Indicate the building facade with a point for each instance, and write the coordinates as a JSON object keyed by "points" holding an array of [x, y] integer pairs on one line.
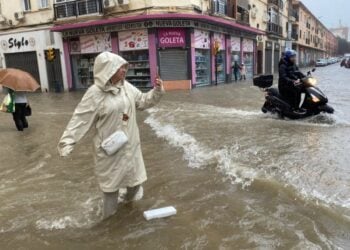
{"points": [[174, 39], [25, 36], [311, 38], [272, 17]]}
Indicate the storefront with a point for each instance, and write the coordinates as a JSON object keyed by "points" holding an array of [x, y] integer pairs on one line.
{"points": [[173, 55], [26, 51], [83, 52], [178, 47], [235, 53], [248, 56], [202, 57], [133, 46]]}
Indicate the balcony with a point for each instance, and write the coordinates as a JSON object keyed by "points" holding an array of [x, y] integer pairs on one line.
{"points": [[295, 36], [277, 3], [274, 29], [219, 7], [77, 8], [242, 16], [293, 16]]}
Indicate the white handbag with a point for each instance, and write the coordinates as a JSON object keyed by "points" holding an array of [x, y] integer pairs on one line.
{"points": [[114, 142]]}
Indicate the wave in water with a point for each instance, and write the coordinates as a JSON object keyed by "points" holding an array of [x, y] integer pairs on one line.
{"points": [[228, 160]]}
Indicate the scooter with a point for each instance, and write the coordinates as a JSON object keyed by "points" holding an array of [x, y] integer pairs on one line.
{"points": [[314, 101]]}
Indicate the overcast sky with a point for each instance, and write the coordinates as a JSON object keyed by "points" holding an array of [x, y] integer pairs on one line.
{"points": [[330, 11]]}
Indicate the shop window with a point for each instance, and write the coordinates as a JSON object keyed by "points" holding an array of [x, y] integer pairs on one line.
{"points": [[139, 68], [202, 67]]}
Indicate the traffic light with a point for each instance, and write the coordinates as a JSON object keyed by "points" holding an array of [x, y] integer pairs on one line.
{"points": [[50, 54]]}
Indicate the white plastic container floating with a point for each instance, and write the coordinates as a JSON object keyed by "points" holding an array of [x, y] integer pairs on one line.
{"points": [[159, 213]]}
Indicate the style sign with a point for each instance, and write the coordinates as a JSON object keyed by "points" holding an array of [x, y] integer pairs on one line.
{"points": [[172, 38], [95, 43], [18, 44], [235, 43], [248, 45], [201, 39], [133, 40]]}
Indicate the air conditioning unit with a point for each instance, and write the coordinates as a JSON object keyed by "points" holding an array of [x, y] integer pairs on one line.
{"points": [[107, 4], [19, 15], [123, 2], [2, 19]]}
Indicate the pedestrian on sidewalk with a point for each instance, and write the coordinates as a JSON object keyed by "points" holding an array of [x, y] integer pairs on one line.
{"points": [[243, 72], [235, 70], [21, 108], [109, 106]]}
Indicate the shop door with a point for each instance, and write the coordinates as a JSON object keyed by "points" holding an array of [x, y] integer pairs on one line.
{"points": [[173, 64], [26, 61], [260, 62], [54, 73], [276, 60], [268, 61]]}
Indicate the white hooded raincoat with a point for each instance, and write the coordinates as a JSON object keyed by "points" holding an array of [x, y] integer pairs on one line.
{"points": [[102, 107]]}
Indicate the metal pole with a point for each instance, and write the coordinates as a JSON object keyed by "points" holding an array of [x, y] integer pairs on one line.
{"points": [[56, 84]]}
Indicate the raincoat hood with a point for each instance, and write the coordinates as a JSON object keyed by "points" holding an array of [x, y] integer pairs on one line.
{"points": [[105, 66]]}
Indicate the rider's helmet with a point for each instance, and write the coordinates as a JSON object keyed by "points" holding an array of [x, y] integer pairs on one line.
{"points": [[289, 54]]}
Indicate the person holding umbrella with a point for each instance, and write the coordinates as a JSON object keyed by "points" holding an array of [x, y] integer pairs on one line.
{"points": [[15, 83], [21, 106]]}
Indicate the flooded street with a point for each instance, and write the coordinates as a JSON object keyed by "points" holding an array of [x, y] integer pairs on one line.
{"points": [[240, 179]]}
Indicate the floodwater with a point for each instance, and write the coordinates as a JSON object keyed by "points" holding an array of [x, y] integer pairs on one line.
{"points": [[239, 179]]}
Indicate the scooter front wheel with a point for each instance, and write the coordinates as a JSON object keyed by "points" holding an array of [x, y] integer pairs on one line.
{"points": [[327, 109]]}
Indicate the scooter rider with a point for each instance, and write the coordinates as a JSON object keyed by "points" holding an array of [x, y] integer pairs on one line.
{"points": [[289, 80]]}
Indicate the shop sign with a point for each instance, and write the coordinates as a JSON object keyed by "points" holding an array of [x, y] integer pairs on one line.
{"points": [[172, 38], [153, 24], [235, 43], [16, 44], [248, 45], [201, 39], [220, 39], [95, 43], [133, 40]]}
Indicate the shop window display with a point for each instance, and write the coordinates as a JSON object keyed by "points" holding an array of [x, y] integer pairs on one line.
{"points": [[139, 68]]}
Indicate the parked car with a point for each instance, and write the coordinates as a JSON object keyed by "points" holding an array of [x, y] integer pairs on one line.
{"points": [[321, 62]]}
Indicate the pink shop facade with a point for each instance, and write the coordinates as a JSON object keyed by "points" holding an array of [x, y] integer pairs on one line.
{"points": [[178, 47]]}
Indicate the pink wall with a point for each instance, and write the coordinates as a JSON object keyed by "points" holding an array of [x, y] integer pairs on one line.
{"points": [[152, 54], [68, 63], [193, 58], [242, 53], [114, 41]]}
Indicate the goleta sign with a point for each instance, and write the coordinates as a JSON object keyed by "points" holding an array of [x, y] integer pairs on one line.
{"points": [[172, 38]]}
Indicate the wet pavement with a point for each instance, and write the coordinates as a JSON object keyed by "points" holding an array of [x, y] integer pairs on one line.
{"points": [[239, 179]]}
